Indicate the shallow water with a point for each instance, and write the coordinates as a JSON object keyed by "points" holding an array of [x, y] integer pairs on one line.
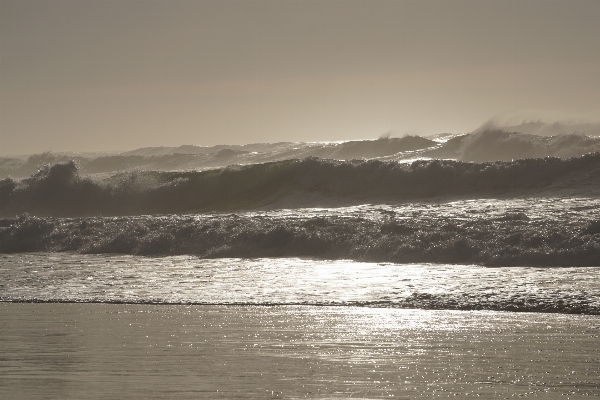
{"points": [[80, 351], [64, 277]]}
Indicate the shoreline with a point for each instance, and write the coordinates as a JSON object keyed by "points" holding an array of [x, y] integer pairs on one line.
{"points": [[372, 305]]}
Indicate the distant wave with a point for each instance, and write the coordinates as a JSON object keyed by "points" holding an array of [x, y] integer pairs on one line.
{"points": [[58, 190], [344, 150], [488, 145], [199, 157]]}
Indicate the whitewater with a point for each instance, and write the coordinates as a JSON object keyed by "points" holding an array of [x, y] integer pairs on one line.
{"points": [[359, 264]]}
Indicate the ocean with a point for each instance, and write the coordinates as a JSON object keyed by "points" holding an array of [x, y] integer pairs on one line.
{"points": [[401, 268]]}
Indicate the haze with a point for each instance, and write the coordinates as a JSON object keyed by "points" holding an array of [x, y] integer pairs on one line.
{"points": [[118, 75]]}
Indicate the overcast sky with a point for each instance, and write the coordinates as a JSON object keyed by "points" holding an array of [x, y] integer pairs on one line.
{"points": [[117, 75]]}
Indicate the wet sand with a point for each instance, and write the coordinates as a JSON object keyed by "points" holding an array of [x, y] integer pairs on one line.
{"points": [[80, 351]]}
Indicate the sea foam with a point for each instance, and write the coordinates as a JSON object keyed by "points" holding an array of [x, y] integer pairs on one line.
{"points": [[540, 232]]}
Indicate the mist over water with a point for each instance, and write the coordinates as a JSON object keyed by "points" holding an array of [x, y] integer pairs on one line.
{"points": [[543, 123]]}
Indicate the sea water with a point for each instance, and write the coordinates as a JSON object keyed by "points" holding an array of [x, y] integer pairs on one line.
{"points": [[79, 351], [64, 277], [106, 326], [303, 279]]}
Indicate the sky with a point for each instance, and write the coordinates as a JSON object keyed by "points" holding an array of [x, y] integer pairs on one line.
{"points": [[118, 75]]}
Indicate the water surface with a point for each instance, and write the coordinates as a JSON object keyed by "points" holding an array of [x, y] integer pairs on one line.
{"points": [[80, 351], [64, 277]]}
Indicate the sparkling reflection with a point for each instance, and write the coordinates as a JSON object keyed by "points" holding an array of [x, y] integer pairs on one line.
{"points": [[186, 279], [151, 351]]}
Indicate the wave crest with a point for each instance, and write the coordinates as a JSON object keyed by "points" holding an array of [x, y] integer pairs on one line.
{"points": [[58, 190]]}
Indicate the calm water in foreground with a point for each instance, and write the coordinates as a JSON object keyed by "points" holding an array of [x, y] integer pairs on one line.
{"points": [[80, 351]]}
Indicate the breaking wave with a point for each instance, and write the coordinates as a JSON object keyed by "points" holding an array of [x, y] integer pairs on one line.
{"points": [[570, 237], [58, 190]]}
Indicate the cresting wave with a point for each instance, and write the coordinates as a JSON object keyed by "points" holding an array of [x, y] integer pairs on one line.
{"points": [[58, 190]]}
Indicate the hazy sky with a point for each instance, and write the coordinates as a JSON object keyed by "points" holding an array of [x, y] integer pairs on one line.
{"points": [[116, 75]]}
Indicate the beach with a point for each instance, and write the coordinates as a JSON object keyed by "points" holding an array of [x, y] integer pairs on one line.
{"points": [[82, 351]]}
